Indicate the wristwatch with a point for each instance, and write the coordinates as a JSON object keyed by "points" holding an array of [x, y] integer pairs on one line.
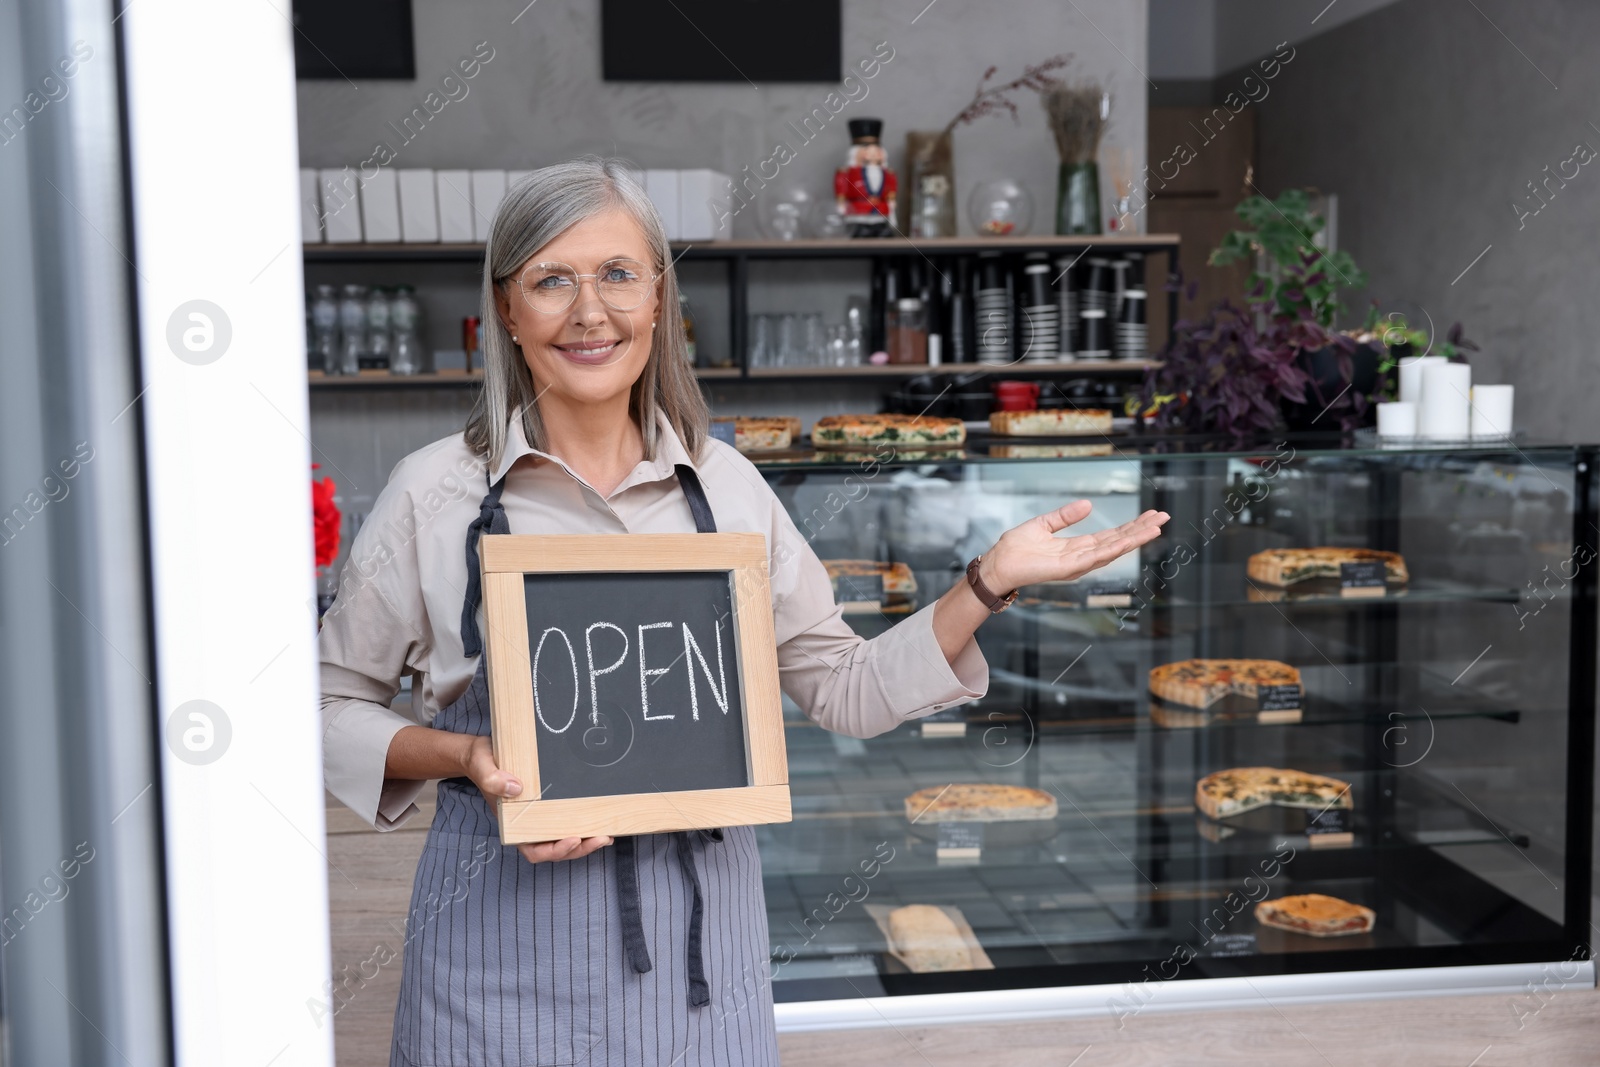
{"points": [[990, 600]]}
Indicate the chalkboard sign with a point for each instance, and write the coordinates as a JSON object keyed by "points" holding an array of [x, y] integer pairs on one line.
{"points": [[1363, 578], [633, 683]]}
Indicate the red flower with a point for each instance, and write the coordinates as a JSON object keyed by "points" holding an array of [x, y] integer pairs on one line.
{"points": [[325, 519]]}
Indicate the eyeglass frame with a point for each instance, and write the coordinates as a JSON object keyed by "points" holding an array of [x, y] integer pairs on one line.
{"points": [[649, 283]]}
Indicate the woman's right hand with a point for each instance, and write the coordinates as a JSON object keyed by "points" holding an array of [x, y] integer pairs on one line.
{"points": [[493, 782]]}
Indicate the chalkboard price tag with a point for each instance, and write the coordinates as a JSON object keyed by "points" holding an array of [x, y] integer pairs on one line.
{"points": [[1362, 578], [960, 841], [860, 589], [724, 430], [1279, 697], [633, 683], [1232, 945], [1330, 828]]}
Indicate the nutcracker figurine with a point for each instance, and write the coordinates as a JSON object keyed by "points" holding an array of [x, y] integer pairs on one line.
{"points": [[865, 187]]}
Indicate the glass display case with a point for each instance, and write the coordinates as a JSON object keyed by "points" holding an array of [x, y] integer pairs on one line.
{"points": [[1436, 705]]}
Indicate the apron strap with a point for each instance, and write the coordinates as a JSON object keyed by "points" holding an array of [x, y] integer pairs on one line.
{"points": [[699, 506], [633, 942], [491, 517]]}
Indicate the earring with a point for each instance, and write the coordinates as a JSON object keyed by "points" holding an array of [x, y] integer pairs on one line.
{"points": [[513, 338]]}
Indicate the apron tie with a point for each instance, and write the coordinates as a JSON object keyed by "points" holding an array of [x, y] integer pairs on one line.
{"points": [[491, 517]]}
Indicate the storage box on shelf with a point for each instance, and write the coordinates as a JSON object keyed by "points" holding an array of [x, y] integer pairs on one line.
{"points": [[1455, 707]]}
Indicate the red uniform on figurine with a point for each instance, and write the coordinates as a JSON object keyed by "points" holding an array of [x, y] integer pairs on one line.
{"points": [[865, 188]]}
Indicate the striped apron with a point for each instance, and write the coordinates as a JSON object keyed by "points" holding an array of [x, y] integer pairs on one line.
{"points": [[652, 951]]}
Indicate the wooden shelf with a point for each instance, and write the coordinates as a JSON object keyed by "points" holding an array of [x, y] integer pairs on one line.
{"points": [[385, 380], [804, 249]]}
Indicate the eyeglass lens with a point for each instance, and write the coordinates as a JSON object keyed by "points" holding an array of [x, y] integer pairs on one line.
{"points": [[623, 284]]}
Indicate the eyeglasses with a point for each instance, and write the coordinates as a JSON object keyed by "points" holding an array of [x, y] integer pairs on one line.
{"points": [[551, 288]]}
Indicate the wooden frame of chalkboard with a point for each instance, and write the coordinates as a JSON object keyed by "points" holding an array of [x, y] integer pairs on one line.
{"points": [[577, 589]]}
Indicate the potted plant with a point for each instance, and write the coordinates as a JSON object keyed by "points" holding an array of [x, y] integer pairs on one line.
{"points": [[1294, 290]]}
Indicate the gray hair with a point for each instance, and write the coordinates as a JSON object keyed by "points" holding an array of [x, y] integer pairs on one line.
{"points": [[538, 209]]}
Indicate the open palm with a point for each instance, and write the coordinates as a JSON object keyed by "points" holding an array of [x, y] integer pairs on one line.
{"points": [[1032, 552]]}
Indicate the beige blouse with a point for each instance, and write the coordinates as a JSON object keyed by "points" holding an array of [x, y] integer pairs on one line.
{"points": [[401, 591]]}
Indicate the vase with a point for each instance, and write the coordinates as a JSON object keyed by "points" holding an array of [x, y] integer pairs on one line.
{"points": [[1078, 198], [929, 208], [1327, 383]]}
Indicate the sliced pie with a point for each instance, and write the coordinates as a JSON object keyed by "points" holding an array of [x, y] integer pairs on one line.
{"points": [[979, 803], [1241, 789], [1052, 422], [1286, 566], [1316, 914], [753, 434], [897, 577], [915, 431], [1199, 683]]}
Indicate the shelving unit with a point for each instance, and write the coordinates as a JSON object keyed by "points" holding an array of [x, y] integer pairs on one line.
{"points": [[738, 256]]}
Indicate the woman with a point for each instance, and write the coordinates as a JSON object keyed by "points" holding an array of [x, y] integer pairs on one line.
{"points": [[647, 950]]}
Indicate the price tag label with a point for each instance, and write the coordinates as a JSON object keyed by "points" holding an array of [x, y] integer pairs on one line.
{"points": [[951, 722], [1232, 945], [1330, 828], [723, 431], [1108, 595], [960, 841], [1279, 698], [1363, 578], [860, 589]]}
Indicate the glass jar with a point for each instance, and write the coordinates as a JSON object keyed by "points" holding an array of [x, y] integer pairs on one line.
{"points": [[352, 328], [908, 332]]}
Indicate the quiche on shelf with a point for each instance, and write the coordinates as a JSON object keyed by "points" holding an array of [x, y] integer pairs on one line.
{"points": [[1316, 914], [757, 434], [979, 803], [1286, 566], [1241, 789], [1052, 422], [1199, 683], [915, 431]]}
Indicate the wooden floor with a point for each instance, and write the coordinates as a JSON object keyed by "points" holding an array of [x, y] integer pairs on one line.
{"points": [[370, 883]]}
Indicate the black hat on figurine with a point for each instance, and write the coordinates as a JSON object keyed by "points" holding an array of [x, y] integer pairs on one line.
{"points": [[863, 129]]}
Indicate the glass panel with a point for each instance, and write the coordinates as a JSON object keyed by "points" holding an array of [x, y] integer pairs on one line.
{"points": [[1437, 705]]}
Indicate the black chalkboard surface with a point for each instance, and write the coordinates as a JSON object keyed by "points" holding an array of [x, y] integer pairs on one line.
{"points": [[633, 683], [636, 683]]}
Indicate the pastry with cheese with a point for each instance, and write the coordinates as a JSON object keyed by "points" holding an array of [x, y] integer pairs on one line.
{"points": [[979, 803], [1241, 789], [1316, 915], [1053, 422], [1286, 566], [913, 431]]}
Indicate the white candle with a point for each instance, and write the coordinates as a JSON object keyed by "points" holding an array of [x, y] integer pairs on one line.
{"points": [[1397, 419], [1411, 376], [1491, 410], [1444, 411]]}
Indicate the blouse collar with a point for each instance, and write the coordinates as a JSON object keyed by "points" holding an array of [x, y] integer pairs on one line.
{"points": [[669, 452]]}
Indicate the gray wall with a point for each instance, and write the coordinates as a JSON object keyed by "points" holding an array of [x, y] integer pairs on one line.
{"points": [[540, 99], [1429, 122]]}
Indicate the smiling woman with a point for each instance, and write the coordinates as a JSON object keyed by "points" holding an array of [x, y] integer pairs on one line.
{"points": [[638, 949]]}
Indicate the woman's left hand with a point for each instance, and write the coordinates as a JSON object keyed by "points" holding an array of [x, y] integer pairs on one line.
{"points": [[1032, 553]]}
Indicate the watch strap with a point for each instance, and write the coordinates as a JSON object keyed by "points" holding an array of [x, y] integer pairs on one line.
{"points": [[991, 600]]}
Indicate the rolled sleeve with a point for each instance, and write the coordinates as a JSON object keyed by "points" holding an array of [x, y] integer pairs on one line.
{"points": [[843, 681], [355, 744]]}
